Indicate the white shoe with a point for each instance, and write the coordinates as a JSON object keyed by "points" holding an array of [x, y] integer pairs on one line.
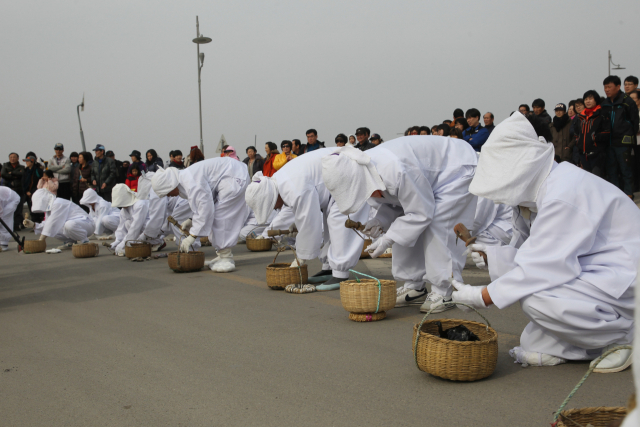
{"points": [[407, 296], [526, 358], [104, 237], [615, 362], [436, 302]]}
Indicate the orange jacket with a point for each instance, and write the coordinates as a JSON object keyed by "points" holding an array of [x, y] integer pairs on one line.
{"points": [[268, 169]]}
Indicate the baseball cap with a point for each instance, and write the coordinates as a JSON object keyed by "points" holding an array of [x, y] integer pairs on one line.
{"points": [[99, 147], [135, 153], [30, 158], [560, 106], [375, 136], [58, 146]]}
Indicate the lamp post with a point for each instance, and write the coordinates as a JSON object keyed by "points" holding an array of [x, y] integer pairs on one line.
{"points": [[200, 39], [615, 66], [79, 108]]}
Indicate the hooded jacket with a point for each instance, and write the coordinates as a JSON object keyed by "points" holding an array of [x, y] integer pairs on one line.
{"points": [[561, 137]]}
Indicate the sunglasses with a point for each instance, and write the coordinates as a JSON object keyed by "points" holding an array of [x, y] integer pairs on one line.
{"points": [[228, 151]]}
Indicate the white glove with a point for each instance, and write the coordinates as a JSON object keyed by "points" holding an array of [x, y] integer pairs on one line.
{"points": [[378, 247], [42, 237], [295, 262], [467, 294], [476, 257], [120, 253], [293, 231], [186, 226], [373, 228], [186, 243], [28, 223]]}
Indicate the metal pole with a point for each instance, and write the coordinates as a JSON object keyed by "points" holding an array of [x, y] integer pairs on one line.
{"points": [[199, 85], [609, 63], [81, 133]]}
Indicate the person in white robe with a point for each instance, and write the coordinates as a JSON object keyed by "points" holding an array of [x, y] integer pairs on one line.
{"points": [[215, 190], [154, 228], [420, 185], [492, 223], [134, 214], [105, 217], [573, 260], [283, 220], [64, 220], [9, 201], [251, 226], [298, 186], [179, 209]]}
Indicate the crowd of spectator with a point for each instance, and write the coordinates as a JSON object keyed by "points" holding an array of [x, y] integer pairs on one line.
{"points": [[597, 133]]}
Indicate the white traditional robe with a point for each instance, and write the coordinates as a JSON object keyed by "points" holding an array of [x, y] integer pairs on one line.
{"points": [[492, 223], [9, 201], [574, 270], [132, 223], [67, 222], [251, 224], [179, 209], [316, 215], [427, 180], [153, 229], [215, 189]]}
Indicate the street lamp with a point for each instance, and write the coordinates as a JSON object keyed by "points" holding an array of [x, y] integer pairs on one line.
{"points": [[615, 66], [79, 108], [200, 39]]}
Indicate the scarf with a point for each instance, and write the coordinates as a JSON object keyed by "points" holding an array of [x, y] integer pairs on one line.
{"points": [[588, 112], [560, 122]]}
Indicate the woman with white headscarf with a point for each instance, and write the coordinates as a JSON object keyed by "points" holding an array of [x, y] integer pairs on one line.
{"points": [[134, 215], [573, 269], [105, 217], [420, 185], [215, 191], [9, 201], [299, 186], [64, 220]]}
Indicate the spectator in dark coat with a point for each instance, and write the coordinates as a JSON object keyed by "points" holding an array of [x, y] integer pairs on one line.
{"points": [[538, 109], [561, 134], [475, 134], [12, 177], [153, 161], [312, 141], [81, 179], [254, 161], [298, 148], [592, 132], [176, 160], [135, 160], [362, 136], [33, 171], [104, 173]]}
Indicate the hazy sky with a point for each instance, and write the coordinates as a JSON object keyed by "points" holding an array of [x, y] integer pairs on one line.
{"points": [[277, 68]]}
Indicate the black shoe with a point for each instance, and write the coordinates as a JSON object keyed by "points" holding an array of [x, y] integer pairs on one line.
{"points": [[323, 273]]}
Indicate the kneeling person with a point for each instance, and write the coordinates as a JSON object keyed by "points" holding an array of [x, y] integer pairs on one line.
{"points": [[105, 217]]}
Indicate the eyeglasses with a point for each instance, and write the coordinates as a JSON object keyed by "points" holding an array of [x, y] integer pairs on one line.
{"points": [[228, 151], [286, 146]]}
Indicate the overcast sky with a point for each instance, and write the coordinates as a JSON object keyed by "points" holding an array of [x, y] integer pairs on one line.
{"points": [[277, 68]]}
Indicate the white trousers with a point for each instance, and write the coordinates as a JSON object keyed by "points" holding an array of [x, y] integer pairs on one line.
{"points": [[436, 255], [76, 230], [110, 223], [342, 246], [576, 321], [8, 208], [230, 213]]}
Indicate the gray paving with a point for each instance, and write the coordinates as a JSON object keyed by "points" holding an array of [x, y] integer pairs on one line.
{"points": [[108, 342]]}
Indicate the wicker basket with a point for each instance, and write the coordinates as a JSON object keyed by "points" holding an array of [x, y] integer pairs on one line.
{"points": [[599, 416], [186, 262], [85, 250], [364, 254], [455, 360], [34, 246], [281, 275], [360, 298], [137, 249], [259, 245]]}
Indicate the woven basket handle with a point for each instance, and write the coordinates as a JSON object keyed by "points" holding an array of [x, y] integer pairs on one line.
{"points": [[281, 248], [584, 378], [415, 344]]}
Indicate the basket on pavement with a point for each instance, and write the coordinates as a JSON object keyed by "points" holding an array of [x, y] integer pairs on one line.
{"points": [[185, 262], [281, 275], [367, 300], [137, 249], [597, 416], [34, 246], [259, 245], [85, 250], [455, 360], [364, 254]]}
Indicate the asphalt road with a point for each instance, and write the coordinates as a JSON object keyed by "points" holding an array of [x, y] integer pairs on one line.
{"points": [[108, 342]]}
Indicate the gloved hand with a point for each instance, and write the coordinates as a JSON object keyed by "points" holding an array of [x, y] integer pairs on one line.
{"points": [[293, 231], [120, 253], [467, 294], [295, 262], [476, 257], [378, 247], [186, 226], [373, 228], [186, 243], [28, 223], [42, 237]]}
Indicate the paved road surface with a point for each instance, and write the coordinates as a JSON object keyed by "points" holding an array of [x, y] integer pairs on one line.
{"points": [[108, 342]]}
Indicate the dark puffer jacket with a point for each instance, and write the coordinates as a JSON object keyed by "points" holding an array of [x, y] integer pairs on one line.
{"points": [[12, 176], [104, 173], [622, 112]]}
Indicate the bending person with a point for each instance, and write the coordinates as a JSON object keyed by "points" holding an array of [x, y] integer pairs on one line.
{"points": [[299, 186], [573, 270], [492, 223], [421, 184], [64, 220], [105, 217], [134, 214], [9, 201], [215, 191]]}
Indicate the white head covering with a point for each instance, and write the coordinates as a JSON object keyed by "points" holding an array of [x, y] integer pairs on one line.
{"points": [[144, 185], [89, 197], [42, 200], [122, 196], [261, 196], [513, 164], [165, 181], [350, 177]]}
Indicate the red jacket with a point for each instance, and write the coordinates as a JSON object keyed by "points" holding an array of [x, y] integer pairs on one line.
{"points": [[132, 182], [268, 169]]}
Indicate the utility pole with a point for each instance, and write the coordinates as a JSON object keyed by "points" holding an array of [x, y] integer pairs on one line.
{"points": [[200, 39]]}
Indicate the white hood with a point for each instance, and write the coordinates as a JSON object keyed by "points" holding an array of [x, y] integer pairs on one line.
{"points": [[165, 181], [42, 200], [122, 196], [261, 196], [90, 197]]}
